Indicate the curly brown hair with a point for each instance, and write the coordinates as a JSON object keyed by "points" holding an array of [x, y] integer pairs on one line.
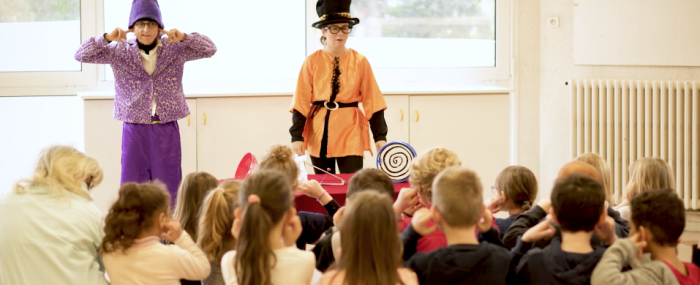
{"points": [[136, 209]]}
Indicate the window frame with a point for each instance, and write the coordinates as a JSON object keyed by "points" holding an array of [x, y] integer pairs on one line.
{"points": [[56, 82], [499, 75]]}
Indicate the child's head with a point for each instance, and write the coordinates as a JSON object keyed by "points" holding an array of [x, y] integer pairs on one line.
{"points": [[139, 208], [457, 198], [426, 166], [265, 204], [601, 165], [63, 167], [659, 215], [370, 246], [370, 179], [578, 203], [281, 158], [649, 174], [517, 187], [194, 188], [216, 220]]}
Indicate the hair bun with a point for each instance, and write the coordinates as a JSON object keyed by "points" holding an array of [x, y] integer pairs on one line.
{"points": [[281, 153]]}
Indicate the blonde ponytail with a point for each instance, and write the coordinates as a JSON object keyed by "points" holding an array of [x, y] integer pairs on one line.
{"points": [[216, 220]]}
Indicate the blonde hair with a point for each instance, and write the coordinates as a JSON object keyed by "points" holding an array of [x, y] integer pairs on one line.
{"points": [[601, 165], [649, 174], [63, 169], [216, 220], [457, 196], [281, 158], [194, 188], [427, 165], [519, 185]]}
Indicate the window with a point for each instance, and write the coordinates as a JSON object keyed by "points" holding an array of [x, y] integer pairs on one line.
{"points": [[429, 41], [38, 24], [254, 39]]}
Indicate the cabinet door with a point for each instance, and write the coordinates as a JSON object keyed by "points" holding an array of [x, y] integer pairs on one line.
{"points": [[103, 141], [396, 116], [235, 126], [476, 127]]}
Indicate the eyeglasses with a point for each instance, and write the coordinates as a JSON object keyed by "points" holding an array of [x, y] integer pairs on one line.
{"points": [[495, 190], [334, 30], [150, 24]]}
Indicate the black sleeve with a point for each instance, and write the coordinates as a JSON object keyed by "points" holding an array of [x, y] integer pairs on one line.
{"points": [[419, 264], [696, 255], [331, 208], [492, 237], [622, 227], [297, 129], [378, 126], [324, 253], [409, 238], [521, 224], [312, 227]]}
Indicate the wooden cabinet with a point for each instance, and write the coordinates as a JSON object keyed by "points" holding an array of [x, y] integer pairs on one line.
{"points": [[235, 126], [476, 127], [222, 129]]}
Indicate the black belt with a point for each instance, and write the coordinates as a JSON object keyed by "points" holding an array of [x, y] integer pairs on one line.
{"points": [[335, 104]]}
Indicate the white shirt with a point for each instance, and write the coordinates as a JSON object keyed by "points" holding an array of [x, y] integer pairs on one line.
{"points": [[48, 239], [149, 64], [293, 267], [625, 212], [149, 262]]}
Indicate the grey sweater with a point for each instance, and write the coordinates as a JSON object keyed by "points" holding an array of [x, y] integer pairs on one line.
{"points": [[621, 254]]}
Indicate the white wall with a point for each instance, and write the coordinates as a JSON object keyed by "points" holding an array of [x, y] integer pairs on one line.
{"points": [[556, 67], [30, 124]]}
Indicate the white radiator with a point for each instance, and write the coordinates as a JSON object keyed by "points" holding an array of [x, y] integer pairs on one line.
{"points": [[623, 120]]}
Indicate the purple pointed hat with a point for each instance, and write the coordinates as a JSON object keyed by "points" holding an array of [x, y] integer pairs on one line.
{"points": [[145, 9]]}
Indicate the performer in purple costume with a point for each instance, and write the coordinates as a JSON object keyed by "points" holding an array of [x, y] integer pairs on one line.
{"points": [[149, 98]]}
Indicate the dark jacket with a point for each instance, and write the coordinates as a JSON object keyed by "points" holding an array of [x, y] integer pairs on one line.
{"points": [[551, 265], [532, 217], [314, 224]]}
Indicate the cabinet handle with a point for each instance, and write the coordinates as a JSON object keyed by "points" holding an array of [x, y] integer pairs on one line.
{"points": [[188, 120], [401, 115], [205, 119], [417, 116]]}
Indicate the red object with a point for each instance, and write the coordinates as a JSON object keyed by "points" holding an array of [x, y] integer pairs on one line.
{"points": [[245, 167], [693, 276], [306, 203]]}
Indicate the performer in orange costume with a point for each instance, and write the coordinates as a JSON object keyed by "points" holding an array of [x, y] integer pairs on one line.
{"points": [[326, 118]]}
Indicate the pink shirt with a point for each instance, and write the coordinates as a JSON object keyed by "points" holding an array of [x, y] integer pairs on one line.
{"points": [[150, 262], [693, 276]]}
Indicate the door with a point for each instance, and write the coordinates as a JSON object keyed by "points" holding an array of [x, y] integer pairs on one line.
{"points": [[476, 127]]}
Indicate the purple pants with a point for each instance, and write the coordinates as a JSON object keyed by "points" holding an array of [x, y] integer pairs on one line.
{"points": [[151, 152]]}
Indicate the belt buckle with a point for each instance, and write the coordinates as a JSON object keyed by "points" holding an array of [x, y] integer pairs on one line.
{"points": [[325, 104]]}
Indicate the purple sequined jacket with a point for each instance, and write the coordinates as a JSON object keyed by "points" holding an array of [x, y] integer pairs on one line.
{"points": [[134, 86]]}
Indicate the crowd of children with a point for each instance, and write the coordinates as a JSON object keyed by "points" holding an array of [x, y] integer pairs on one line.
{"points": [[438, 231]]}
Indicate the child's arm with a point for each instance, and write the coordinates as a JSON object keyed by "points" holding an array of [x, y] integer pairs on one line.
{"points": [[188, 259], [409, 238], [522, 223], [619, 255], [195, 46], [99, 50], [622, 227]]}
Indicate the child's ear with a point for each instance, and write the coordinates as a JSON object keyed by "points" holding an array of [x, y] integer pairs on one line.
{"points": [[603, 216], [645, 234], [291, 213], [437, 217], [554, 217], [162, 219], [238, 213]]}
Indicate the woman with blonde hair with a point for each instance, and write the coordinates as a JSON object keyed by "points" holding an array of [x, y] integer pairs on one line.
{"points": [[51, 230], [601, 165], [215, 223], [647, 173]]}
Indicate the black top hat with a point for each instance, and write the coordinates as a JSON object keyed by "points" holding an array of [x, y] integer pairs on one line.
{"points": [[334, 11]]}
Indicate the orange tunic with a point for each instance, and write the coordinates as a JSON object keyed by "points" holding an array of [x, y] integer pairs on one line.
{"points": [[348, 128]]}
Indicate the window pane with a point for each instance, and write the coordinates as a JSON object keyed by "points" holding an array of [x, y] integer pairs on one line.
{"points": [[254, 41], [425, 33], [39, 35]]}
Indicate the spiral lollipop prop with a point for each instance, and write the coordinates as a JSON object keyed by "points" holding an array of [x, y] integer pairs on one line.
{"points": [[395, 159]]}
